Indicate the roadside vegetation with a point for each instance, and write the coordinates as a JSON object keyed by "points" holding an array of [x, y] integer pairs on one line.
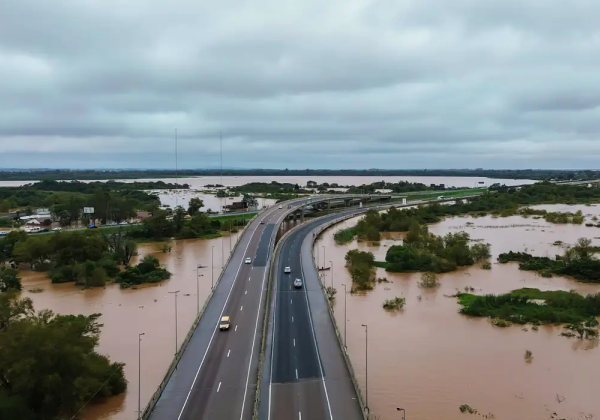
{"points": [[537, 307], [344, 236], [576, 218], [49, 364], [577, 261], [360, 265]]}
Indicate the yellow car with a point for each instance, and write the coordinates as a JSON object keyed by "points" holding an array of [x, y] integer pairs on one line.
{"points": [[224, 324]]}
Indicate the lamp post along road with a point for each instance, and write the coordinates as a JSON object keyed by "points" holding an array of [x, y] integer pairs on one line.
{"points": [[323, 256], [345, 318], [175, 293], [403, 412], [331, 265], [212, 269], [140, 375], [198, 275], [366, 367]]}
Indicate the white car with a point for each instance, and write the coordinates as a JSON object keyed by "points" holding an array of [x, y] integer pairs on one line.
{"points": [[280, 207], [287, 270], [248, 260], [297, 283], [3, 232], [57, 229]]}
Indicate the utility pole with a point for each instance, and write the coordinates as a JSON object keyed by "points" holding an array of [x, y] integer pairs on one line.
{"points": [[140, 375], [175, 293]]}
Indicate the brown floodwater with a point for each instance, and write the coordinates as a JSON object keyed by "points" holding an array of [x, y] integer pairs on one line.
{"points": [[231, 181], [149, 310], [429, 359]]}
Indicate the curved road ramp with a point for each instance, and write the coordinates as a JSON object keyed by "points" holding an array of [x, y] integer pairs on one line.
{"points": [[305, 374]]}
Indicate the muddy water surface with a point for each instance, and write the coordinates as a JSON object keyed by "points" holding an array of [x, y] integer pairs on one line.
{"points": [[149, 310], [429, 360]]}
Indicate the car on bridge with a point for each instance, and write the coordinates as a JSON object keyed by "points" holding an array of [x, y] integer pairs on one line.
{"points": [[248, 260], [297, 283], [225, 323], [287, 270]]}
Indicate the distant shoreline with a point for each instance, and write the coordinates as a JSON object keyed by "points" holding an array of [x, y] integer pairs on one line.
{"points": [[47, 174]]}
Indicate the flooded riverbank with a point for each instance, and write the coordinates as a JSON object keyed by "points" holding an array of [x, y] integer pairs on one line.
{"points": [[149, 309], [234, 181], [429, 360]]}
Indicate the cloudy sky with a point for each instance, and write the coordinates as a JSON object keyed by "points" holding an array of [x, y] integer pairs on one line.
{"points": [[300, 84]]}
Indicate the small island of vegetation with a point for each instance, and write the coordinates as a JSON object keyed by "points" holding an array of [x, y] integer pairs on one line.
{"points": [[49, 364], [577, 261], [537, 307], [420, 251]]}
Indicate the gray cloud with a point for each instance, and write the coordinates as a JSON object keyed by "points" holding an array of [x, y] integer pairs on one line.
{"points": [[340, 84]]}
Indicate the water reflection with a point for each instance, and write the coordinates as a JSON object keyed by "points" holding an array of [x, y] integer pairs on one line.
{"points": [[429, 359]]}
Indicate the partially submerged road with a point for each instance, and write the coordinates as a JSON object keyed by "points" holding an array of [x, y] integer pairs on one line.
{"points": [[216, 376], [305, 375]]}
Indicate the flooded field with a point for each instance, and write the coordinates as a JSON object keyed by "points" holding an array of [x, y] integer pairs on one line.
{"points": [[429, 360], [231, 181], [149, 310]]}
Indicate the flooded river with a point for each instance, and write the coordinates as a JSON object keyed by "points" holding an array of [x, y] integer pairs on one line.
{"points": [[149, 310], [429, 360]]}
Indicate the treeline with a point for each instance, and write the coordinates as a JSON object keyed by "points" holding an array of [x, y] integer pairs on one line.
{"points": [[87, 258], [62, 174], [112, 201], [537, 307], [576, 218], [500, 201], [49, 366], [577, 261]]}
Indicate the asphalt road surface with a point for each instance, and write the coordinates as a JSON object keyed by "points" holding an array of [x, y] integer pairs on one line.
{"points": [[306, 376], [216, 377]]}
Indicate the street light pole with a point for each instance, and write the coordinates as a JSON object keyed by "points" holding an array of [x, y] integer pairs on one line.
{"points": [[345, 318], [140, 375], [175, 293], [198, 275], [403, 412], [366, 366], [212, 270], [331, 264]]}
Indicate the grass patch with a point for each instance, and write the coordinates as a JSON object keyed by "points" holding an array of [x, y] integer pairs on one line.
{"points": [[344, 236], [532, 306]]}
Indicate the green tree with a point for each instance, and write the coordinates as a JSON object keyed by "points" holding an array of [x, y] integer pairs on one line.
{"points": [[179, 218], [5, 206], [9, 279], [48, 363], [195, 205]]}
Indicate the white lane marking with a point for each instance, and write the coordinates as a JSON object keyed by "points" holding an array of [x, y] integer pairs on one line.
{"points": [[296, 373], [246, 292], [254, 340], [292, 319], [315, 339], [241, 308], [235, 328], [294, 342], [219, 387], [299, 415], [249, 278], [228, 351], [215, 330], [291, 301]]}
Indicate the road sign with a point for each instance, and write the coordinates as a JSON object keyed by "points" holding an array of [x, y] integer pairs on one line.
{"points": [[88, 210]]}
